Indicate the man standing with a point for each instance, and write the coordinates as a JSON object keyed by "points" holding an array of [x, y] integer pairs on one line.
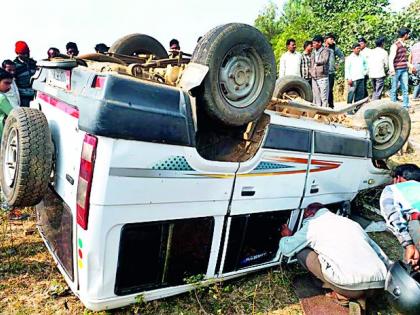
{"points": [[319, 71], [290, 60], [72, 50], [398, 67], [25, 69], [305, 63], [6, 80], [338, 252], [13, 94], [355, 71], [174, 48], [415, 61], [377, 64], [400, 207], [365, 52], [53, 52], [101, 48], [335, 52]]}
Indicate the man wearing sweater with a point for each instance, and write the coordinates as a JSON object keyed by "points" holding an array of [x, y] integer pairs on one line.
{"points": [[398, 67]]}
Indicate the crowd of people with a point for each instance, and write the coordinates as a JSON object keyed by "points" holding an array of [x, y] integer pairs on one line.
{"points": [[318, 62]]}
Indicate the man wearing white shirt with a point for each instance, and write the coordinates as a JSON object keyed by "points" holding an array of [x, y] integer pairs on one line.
{"points": [[355, 71], [377, 63], [290, 60], [13, 94], [365, 52]]}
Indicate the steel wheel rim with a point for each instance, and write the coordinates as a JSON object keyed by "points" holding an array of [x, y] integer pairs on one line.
{"points": [[11, 157], [241, 76], [383, 129]]}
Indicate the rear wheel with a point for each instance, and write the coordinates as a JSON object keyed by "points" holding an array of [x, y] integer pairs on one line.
{"points": [[293, 86], [137, 44], [26, 157], [241, 76], [389, 125]]}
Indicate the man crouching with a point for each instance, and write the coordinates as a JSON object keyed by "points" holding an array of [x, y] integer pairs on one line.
{"points": [[338, 252]]}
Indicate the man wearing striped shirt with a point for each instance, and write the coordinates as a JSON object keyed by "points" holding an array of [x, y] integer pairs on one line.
{"points": [[305, 64], [398, 67], [400, 207]]}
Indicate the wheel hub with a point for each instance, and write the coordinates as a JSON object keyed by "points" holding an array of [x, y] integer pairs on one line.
{"points": [[11, 157], [241, 78], [383, 130]]}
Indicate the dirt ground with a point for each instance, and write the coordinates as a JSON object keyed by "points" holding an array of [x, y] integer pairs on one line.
{"points": [[30, 283]]}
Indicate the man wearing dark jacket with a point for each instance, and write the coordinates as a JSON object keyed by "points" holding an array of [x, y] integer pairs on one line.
{"points": [[319, 71], [25, 69]]}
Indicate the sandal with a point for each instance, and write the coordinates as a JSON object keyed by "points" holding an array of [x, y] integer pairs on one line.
{"points": [[338, 298]]}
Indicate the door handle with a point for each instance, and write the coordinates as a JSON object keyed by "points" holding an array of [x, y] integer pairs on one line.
{"points": [[314, 189], [247, 191]]}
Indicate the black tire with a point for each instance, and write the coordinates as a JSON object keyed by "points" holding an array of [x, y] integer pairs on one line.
{"points": [[389, 126], [293, 86], [26, 145], [241, 76], [135, 44]]}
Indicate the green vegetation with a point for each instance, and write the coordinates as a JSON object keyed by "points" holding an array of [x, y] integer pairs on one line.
{"points": [[347, 19]]}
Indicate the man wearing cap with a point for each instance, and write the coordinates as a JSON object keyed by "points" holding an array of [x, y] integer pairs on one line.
{"points": [[25, 69], [335, 53], [355, 72], [398, 67], [319, 71], [400, 207]]}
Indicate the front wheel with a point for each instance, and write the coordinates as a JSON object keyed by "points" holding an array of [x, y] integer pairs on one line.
{"points": [[389, 125], [26, 157]]}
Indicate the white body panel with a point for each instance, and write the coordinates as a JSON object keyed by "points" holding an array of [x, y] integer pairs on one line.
{"points": [[135, 182]]}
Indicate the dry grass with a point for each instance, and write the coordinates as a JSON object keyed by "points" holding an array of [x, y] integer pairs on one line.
{"points": [[30, 283]]}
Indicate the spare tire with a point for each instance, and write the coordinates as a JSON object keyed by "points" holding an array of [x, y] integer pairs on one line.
{"points": [[389, 126], [293, 86], [241, 76], [26, 157], [136, 44]]}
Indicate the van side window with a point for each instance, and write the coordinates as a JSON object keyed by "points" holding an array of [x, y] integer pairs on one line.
{"points": [[287, 138], [160, 254], [329, 143]]}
